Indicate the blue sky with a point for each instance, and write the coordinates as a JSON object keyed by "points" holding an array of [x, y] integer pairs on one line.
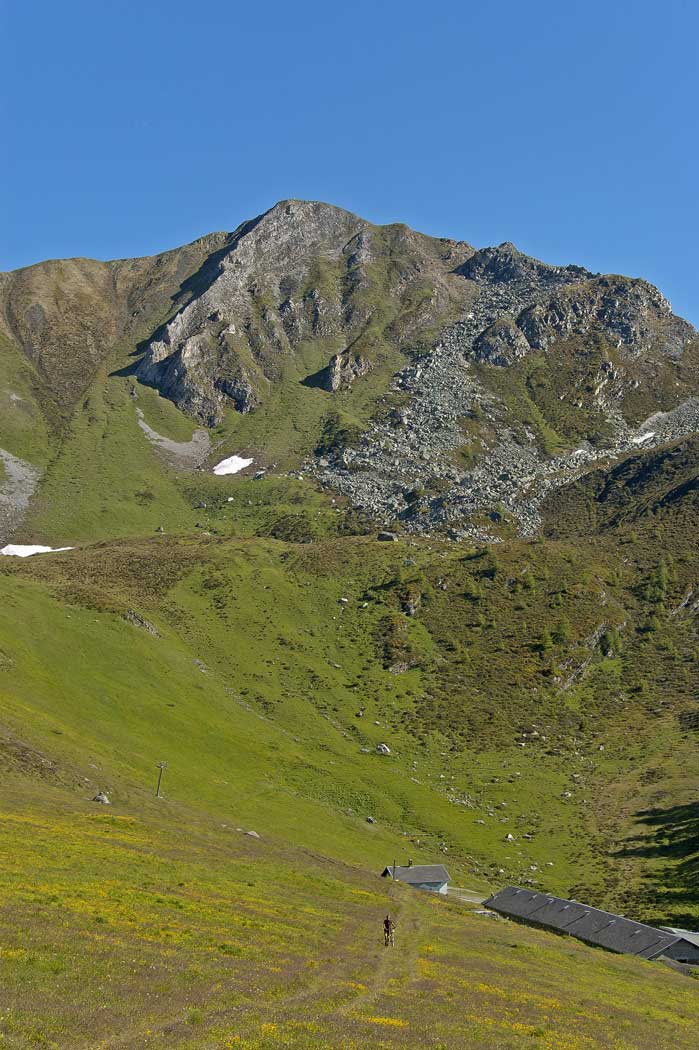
{"points": [[568, 128]]}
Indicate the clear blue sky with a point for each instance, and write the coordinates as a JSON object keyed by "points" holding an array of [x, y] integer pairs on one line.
{"points": [[567, 127]]}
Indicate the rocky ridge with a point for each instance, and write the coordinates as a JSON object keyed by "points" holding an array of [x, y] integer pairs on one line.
{"points": [[302, 273], [521, 306], [226, 345], [455, 388]]}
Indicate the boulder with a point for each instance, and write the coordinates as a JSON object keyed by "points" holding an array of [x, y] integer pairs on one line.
{"points": [[342, 371], [503, 343], [131, 616]]}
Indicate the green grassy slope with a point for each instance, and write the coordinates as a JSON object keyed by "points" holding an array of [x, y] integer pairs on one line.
{"points": [[161, 924], [536, 692], [539, 700], [158, 923], [106, 478], [23, 428], [152, 926]]}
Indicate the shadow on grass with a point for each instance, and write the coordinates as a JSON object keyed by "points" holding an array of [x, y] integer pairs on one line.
{"points": [[672, 834]]}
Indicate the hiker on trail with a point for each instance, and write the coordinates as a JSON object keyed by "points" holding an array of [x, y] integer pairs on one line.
{"points": [[388, 935]]}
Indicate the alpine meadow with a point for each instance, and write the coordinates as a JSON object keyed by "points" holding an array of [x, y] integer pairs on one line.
{"points": [[358, 548]]}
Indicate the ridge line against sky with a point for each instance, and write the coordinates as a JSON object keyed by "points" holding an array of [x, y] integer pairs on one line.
{"points": [[570, 131]]}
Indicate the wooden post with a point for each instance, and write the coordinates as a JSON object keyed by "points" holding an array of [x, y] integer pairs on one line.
{"points": [[161, 767]]}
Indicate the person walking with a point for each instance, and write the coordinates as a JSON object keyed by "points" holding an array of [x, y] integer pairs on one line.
{"points": [[388, 932]]}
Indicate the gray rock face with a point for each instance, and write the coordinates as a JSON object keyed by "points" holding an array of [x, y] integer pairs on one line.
{"points": [[227, 345], [518, 307], [131, 616], [502, 343], [17, 484], [457, 445], [342, 371], [631, 314], [303, 273], [505, 265]]}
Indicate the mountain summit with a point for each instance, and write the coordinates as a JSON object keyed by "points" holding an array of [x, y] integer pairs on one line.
{"points": [[426, 382]]}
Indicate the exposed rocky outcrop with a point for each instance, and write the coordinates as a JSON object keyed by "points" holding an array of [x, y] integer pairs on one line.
{"points": [[408, 466], [131, 616], [342, 371], [502, 343], [302, 273], [276, 285], [18, 480], [506, 265], [500, 377], [630, 314]]}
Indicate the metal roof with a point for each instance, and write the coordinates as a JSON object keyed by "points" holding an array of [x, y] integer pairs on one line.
{"points": [[686, 935], [418, 873], [592, 925]]}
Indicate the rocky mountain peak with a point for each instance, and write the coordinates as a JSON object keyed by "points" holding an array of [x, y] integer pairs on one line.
{"points": [[436, 383], [281, 239], [451, 439], [302, 272], [631, 314], [505, 264]]}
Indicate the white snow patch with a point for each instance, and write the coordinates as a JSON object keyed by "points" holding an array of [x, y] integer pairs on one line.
{"points": [[643, 437], [232, 465], [20, 550]]}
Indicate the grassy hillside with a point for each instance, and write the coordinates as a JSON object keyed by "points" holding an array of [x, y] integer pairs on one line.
{"points": [[155, 926], [534, 691], [541, 689], [539, 697], [159, 923], [264, 672]]}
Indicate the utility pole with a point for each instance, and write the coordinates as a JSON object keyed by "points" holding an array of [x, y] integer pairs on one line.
{"points": [[394, 869], [161, 767]]}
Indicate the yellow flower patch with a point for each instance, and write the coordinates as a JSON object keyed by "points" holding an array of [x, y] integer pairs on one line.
{"points": [[490, 989], [392, 1022], [13, 953]]}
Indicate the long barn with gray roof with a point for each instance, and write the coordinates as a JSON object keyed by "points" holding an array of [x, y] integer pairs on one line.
{"points": [[596, 927]]}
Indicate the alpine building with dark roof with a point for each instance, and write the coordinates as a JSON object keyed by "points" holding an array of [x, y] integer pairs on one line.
{"points": [[599, 928], [433, 877]]}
